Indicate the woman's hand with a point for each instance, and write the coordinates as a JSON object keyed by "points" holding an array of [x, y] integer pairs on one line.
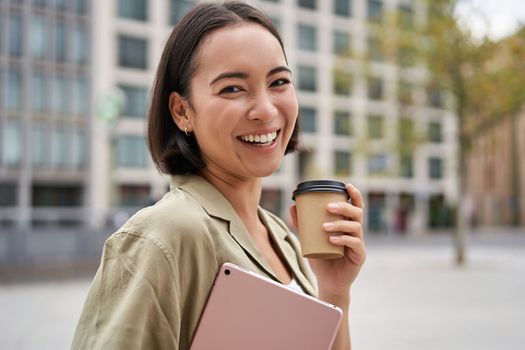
{"points": [[335, 276]]}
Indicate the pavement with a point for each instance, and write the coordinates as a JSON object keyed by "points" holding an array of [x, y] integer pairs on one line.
{"points": [[409, 296]]}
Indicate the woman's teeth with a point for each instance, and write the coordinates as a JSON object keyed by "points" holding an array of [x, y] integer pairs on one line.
{"points": [[260, 140]]}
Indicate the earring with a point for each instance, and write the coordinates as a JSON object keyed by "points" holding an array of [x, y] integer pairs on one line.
{"points": [[186, 131]]}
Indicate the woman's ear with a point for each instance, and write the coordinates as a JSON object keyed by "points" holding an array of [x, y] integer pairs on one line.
{"points": [[180, 112]]}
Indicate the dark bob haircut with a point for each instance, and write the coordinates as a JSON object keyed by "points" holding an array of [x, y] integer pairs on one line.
{"points": [[172, 151]]}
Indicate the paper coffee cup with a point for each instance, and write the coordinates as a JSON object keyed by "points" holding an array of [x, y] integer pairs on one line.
{"points": [[311, 198]]}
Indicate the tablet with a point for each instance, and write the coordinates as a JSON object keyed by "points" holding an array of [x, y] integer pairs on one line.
{"points": [[248, 311]]}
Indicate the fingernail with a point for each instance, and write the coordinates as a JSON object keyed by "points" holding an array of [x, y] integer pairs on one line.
{"points": [[328, 225], [334, 239], [333, 206]]}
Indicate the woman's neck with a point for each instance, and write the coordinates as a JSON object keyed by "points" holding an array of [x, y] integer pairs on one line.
{"points": [[243, 194]]}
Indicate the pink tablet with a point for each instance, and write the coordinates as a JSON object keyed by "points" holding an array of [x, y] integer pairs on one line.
{"points": [[247, 311]]}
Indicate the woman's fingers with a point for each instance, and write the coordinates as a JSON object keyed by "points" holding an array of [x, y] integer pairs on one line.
{"points": [[347, 227], [346, 210], [355, 196]]}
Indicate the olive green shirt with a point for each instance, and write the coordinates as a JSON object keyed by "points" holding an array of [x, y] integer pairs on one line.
{"points": [[157, 270]]}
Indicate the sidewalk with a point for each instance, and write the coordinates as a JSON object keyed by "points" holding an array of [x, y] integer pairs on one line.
{"points": [[409, 296]]}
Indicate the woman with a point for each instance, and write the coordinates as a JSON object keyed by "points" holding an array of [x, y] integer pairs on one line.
{"points": [[222, 116]]}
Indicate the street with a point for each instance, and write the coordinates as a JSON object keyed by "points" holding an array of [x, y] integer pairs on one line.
{"points": [[409, 296]]}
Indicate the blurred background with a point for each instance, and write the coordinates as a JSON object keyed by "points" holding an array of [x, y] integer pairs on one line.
{"points": [[419, 103]]}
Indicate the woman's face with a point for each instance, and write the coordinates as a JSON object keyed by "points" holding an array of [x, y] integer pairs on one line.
{"points": [[243, 104]]}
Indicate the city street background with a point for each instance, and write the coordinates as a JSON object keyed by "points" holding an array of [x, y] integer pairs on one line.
{"points": [[409, 296]]}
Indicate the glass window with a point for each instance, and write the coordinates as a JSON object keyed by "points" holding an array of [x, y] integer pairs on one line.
{"points": [[82, 6], [375, 49], [61, 4], [14, 91], [404, 92], [342, 43], [308, 119], [407, 55], [309, 4], [133, 9], [375, 88], [343, 7], [38, 36], [136, 99], [406, 132], [342, 160], [375, 127], [307, 78], [59, 147], [40, 2], [80, 96], [132, 52], [377, 164], [131, 151], [60, 41], [38, 145], [375, 10], [342, 123], [406, 166], [80, 44], [11, 145], [307, 37], [435, 95], [342, 83], [16, 35], [38, 92], [61, 91], [406, 16], [434, 132], [178, 9], [435, 166], [79, 149], [306, 164]]}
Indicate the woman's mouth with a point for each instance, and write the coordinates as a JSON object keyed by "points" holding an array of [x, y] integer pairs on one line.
{"points": [[260, 140]]}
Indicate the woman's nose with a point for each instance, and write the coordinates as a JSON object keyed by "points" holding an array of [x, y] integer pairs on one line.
{"points": [[263, 108]]}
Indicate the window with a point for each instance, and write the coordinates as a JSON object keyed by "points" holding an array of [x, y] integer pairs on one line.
{"points": [[375, 88], [404, 92], [375, 127], [38, 92], [8, 194], [134, 195], [307, 37], [11, 147], [38, 145], [61, 92], [342, 43], [342, 123], [406, 16], [308, 119], [406, 167], [307, 78], [342, 160], [61, 4], [16, 35], [136, 98], [343, 7], [38, 36], [178, 9], [59, 147], [79, 149], [375, 49], [342, 83], [435, 95], [377, 164], [434, 132], [81, 6], [14, 91], [407, 55], [435, 168], [375, 10], [60, 41], [406, 132], [80, 96], [309, 4], [131, 151], [133, 9], [306, 164], [132, 52], [80, 44]]}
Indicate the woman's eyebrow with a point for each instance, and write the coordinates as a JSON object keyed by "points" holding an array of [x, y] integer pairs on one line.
{"points": [[244, 75]]}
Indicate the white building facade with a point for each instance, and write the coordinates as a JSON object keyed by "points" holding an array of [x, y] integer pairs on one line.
{"points": [[354, 120]]}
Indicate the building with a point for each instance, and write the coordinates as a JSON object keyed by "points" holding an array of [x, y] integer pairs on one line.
{"points": [[356, 124]]}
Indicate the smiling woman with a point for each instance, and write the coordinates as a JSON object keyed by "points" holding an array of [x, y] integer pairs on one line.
{"points": [[223, 114]]}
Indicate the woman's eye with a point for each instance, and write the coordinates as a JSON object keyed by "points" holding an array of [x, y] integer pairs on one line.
{"points": [[230, 90], [280, 82]]}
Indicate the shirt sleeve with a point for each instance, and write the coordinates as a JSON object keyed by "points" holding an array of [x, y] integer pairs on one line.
{"points": [[137, 298]]}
